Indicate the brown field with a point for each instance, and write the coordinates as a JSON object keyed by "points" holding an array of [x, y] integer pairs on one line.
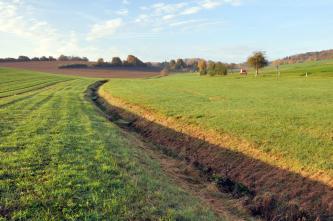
{"points": [[52, 67]]}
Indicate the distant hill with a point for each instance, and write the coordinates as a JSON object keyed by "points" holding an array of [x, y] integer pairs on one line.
{"points": [[309, 56]]}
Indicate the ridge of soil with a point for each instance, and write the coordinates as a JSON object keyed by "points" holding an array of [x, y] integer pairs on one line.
{"points": [[268, 191]]}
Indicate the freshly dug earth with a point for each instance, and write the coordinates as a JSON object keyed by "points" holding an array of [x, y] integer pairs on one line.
{"points": [[274, 193], [52, 67]]}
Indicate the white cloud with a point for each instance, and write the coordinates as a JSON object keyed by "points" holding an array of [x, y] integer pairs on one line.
{"points": [[142, 18], [39, 37], [163, 8], [233, 2], [182, 23], [14, 20], [191, 10], [126, 2], [162, 14], [210, 4], [168, 17], [105, 29], [122, 12]]}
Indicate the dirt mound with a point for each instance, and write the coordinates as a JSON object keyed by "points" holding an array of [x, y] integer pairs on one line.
{"points": [[52, 67], [272, 192]]}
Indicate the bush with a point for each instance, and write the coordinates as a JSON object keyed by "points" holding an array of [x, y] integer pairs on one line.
{"points": [[221, 69], [216, 68], [211, 68], [100, 61], [203, 72], [134, 61], [35, 59], [73, 66], [180, 64], [202, 66], [23, 58], [71, 58], [116, 61], [43, 58]]}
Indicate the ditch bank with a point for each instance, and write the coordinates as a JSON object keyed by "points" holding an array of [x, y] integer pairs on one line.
{"points": [[270, 192]]}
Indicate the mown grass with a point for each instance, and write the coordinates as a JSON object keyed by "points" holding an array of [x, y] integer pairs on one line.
{"points": [[290, 117], [60, 160]]}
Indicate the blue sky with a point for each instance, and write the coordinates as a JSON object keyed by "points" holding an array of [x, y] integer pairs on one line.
{"points": [[225, 30]]}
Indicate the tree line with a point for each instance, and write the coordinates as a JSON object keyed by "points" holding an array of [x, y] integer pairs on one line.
{"points": [[309, 56], [23, 58], [131, 61], [257, 60]]}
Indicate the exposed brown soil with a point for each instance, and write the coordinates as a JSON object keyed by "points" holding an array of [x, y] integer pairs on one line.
{"points": [[52, 67], [272, 192]]}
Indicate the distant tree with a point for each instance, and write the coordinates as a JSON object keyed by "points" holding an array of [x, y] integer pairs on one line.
{"points": [[35, 59], [257, 61], [116, 61], [134, 61], [194, 66], [52, 58], [23, 58], [43, 58], [211, 68], [63, 58], [202, 66], [180, 64], [100, 61], [85, 59], [149, 64], [220, 69], [172, 65]]}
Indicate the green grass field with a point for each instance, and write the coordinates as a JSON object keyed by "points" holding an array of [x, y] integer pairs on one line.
{"points": [[61, 160], [291, 117]]}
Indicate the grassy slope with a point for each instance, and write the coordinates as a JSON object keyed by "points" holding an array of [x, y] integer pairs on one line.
{"points": [[61, 160], [290, 117]]}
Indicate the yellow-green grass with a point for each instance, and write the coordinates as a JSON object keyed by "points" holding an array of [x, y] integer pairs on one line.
{"points": [[61, 160], [290, 117]]}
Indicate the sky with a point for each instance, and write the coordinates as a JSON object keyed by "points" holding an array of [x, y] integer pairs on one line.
{"points": [[220, 30]]}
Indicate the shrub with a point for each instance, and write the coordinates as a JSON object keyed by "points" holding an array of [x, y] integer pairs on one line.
{"points": [[116, 61], [100, 61], [202, 66], [43, 58], [134, 61], [23, 58], [220, 69], [211, 68], [35, 59], [217, 68], [180, 64], [73, 66]]}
